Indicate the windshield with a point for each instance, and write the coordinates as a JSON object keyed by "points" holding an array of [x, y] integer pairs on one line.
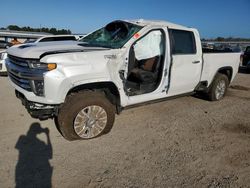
{"points": [[113, 35]]}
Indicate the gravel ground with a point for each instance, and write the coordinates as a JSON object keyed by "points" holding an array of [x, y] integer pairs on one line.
{"points": [[185, 142]]}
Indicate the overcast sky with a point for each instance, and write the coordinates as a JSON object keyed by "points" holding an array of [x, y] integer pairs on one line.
{"points": [[213, 18]]}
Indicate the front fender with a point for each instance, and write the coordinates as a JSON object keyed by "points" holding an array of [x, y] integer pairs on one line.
{"points": [[57, 85]]}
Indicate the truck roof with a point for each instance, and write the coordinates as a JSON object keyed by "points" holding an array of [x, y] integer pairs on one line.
{"points": [[143, 22]]}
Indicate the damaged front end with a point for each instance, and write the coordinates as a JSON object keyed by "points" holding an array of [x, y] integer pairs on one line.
{"points": [[37, 110]]}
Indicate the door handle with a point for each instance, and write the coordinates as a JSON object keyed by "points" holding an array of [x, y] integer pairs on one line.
{"points": [[195, 62]]}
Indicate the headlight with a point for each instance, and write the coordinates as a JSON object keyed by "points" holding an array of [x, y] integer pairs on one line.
{"points": [[35, 64]]}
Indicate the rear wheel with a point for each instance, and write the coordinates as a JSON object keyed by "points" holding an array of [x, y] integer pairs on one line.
{"points": [[218, 88], [85, 115]]}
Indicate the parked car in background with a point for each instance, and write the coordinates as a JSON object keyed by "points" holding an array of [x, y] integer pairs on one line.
{"points": [[246, 58], [237, 48], [54, 38], [30, 40], [3, 56], [5, 44]]}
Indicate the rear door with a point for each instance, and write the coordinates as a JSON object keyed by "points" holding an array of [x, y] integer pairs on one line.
{"points": [[186, 61]]}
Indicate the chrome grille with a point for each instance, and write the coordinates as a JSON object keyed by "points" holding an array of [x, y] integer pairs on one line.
{"points": [[18, 61], [22, 75], [23, 83]]}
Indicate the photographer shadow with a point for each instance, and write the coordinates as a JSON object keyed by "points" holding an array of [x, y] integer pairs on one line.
{"points": [[33, 168]]}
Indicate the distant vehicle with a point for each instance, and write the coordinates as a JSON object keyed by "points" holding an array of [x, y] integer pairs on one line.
{"points": [[5, 44], [30, 40], [208, 46], [246, 58], [236, 49], [3, 56], [53, 38]]}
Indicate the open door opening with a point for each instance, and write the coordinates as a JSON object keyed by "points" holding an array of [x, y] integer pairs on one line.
{"points": [[146, 61]]}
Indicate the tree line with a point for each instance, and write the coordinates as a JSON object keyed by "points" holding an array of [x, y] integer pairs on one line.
{"points": [[43, 29]]}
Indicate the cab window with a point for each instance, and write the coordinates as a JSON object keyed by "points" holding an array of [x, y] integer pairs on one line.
{"points": [[182, 42]]}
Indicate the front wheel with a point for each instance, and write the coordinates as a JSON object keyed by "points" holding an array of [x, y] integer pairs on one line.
{"points": [[218, 88], [85, 115]]}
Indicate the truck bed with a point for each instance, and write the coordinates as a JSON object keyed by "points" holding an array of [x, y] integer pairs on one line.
{"points": [[212, 62]]}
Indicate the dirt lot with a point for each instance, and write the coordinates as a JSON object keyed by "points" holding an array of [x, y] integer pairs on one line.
{"points": [[186, 142]]}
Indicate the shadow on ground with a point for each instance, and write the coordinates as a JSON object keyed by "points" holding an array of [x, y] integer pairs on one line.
{"points": [[33, 168]]}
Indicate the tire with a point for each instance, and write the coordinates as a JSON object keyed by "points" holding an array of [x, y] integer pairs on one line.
{"points": [[85, 115], [218, 88]]}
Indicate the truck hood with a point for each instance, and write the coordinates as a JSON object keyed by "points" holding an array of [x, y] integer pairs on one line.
{"points": [[38, 50]]}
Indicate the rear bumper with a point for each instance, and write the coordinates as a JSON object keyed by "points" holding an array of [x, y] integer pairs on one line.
{"points": [[38, 110]]}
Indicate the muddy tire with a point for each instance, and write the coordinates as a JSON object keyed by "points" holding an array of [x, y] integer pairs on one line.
{"points": [[85, 115], [218, 88]]}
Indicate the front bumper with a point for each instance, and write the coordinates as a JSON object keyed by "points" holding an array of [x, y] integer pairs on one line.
{"points": [[38, 110]]}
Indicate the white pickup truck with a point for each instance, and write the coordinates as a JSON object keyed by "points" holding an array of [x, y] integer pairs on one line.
{"points": [[82, 85]]}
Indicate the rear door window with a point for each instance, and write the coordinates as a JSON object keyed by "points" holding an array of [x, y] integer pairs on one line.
{"points": [[182, 42]]}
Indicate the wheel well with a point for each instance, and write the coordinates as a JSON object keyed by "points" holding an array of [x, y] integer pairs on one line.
{"points": [[110, 90], [228, 71]]}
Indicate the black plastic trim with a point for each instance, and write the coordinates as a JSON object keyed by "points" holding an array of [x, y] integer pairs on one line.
{"points": [[43, 113]]}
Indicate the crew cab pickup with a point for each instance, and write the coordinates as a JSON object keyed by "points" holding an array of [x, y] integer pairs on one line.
{"points": [[83, 84]]}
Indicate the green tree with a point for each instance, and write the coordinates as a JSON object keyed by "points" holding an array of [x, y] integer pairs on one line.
{"points": [[220, 39], [13, 27], [44, 29]]}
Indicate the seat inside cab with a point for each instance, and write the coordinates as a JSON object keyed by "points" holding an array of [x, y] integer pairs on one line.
{"points": [[146, 59]]}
